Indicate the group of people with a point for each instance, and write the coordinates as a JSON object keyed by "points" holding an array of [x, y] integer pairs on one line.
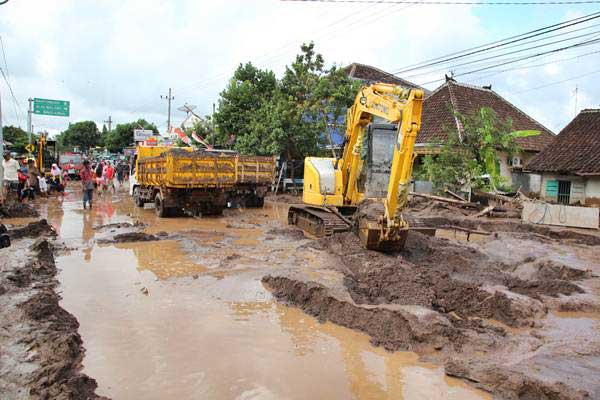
{"points": [[23, 180], [100, 176]]}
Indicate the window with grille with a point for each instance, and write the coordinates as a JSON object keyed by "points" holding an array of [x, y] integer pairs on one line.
{"points": [[564, 192]]}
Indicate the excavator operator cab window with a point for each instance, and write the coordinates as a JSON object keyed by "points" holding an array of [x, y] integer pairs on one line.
{"points": [[380, 141]]}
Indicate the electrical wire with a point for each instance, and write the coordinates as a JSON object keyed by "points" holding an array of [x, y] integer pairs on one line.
{"points": [[504, 54], [476, 3], [500, 43], [581, 44], [16, 104], [557, 82]]}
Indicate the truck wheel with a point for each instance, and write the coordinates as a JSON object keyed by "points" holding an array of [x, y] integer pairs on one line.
{"points": [[161, 210], [136, 197]]}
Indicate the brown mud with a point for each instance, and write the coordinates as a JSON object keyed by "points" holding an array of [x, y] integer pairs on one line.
{"points": [[17, 210], [480, 308], [41, 352]]}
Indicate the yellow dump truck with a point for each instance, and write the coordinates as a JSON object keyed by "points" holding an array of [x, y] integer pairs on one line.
{"points": [[180, 180]]}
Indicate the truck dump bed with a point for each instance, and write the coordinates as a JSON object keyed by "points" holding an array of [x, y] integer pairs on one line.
{"points": [[183, 169], [186, 170], [255, 169]]}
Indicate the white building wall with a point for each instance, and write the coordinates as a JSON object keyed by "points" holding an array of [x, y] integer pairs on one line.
{"points": [[592, 191]]}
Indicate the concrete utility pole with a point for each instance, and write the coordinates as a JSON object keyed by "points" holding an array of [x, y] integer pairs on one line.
{"points": [[109, 122], [29, 127], [168, 98]]}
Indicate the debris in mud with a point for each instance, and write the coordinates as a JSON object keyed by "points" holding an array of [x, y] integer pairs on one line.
{"points": [[33, 229], [33, 323], [129, 237], [18, 210], [289, 233], [120, 225], [144, 290]]}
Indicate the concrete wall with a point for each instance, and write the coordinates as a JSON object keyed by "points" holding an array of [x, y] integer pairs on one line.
{"points": [[592, 191], [584, 190]]}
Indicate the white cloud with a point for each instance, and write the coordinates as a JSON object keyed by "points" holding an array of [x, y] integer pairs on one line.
{"points": [[116, 57]]}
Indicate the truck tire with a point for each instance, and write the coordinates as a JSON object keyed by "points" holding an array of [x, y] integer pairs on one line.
{"points": [[136, 197], [161, 210]]}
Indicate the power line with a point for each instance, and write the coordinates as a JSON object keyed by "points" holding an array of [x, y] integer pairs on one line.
{"points": [[500, 43], [9, 87], [557, 82], [523, 67], [478, 3], [505, 54], [580, 44], [16, 104]]}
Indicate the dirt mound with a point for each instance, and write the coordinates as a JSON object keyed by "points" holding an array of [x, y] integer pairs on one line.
{"points": [[290, 233], [129, 237], [120, 225], [18, 210], [32, 320], [33, 229]]}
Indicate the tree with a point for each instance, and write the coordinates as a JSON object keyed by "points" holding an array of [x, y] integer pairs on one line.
{"points": [[83, 134], [17, 136], [122, 135], [246, 92], [469, 156]]}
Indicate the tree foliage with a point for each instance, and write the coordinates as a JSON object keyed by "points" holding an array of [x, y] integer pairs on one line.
{"points": [[470, 156], [290, 116], [83, 134], [17, 136], [122, 135]]}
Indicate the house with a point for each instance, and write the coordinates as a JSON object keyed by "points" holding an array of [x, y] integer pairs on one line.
{"points": [[438, 119], [369, 74], [570, 165]]}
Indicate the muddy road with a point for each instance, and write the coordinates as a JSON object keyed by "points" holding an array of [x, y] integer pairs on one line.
{"points": [[175, 308]]}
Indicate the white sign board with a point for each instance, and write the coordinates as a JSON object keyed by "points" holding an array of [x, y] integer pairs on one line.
{"points": [[139, 135]]}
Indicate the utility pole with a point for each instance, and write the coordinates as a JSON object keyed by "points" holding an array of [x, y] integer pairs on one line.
{"points": [[109, 122], [168, 98], [29, 127]]}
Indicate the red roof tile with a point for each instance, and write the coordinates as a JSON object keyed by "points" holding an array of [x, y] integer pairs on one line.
{"points": [[467, 99], [576, 149], [371, 74]]}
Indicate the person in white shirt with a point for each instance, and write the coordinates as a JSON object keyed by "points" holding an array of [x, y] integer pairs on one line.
{"points": [[11, 176], [43, 185]]}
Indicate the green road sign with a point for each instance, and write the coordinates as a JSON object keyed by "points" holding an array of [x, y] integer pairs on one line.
{"points": [[59, 108]]}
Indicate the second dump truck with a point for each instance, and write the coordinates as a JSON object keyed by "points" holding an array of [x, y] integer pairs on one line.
{"points": [[198, 182]]}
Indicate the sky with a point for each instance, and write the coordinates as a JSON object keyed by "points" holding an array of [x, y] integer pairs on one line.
{"points": [[117, 57]]}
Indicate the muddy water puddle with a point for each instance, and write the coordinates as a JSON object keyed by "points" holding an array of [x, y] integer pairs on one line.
{"points": [[188, 318]]}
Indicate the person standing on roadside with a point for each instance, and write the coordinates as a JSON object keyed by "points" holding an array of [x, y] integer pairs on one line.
{"points": [[32, 174], [11, 176], [109, 175], [87, 183]]}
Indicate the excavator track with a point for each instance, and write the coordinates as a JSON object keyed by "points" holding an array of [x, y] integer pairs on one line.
{"points": [[318, 221]]}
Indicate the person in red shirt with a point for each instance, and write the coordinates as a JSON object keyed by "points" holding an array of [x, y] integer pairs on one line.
{"points": [[87, 183], [109, 174]]}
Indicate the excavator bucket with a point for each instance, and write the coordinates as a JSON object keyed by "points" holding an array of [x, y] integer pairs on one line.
{"points": [[373, 238]]}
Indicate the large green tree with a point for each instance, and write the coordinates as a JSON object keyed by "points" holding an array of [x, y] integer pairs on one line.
{"points": [[83, 134], [122, 135], [17, 136], [292, 116], [246, 92]]}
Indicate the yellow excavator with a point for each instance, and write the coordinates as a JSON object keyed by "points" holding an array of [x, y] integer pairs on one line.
{"points": [[376, 165]]}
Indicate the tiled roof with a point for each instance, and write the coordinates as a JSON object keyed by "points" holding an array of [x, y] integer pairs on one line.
{"points": [[467, 99], [576, 149], [371, 74]]}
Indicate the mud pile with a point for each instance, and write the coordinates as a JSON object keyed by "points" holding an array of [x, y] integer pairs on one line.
{"points": [[17, 210], [442, 298], [42, 351]]}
